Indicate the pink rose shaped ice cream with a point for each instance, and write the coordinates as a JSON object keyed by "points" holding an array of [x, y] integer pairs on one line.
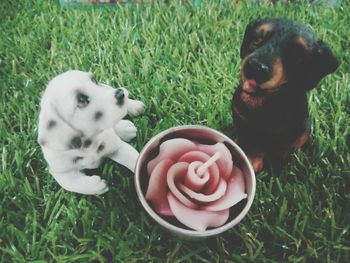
{"points": [[195, 183]]}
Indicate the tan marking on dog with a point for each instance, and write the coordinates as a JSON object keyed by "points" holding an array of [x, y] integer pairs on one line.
{"points": [[265, 28], [301, 41], [257, 161], [252, 101], [278, 77], [301, 140]]}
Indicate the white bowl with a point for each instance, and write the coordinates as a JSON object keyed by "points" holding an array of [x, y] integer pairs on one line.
{"points": [[203, 135]]}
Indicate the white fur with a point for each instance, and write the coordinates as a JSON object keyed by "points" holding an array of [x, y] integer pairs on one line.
{"points": [[62, 119]]}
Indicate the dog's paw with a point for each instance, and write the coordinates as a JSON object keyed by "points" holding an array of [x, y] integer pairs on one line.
{"points": [[136, 107], [257, 163], [126, 130], [95, 185]]}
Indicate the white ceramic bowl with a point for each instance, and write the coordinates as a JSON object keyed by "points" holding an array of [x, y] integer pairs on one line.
{"points": [[204, 135]]}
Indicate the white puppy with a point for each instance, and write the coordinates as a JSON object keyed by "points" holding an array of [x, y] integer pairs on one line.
{"points": [[80, 122]]}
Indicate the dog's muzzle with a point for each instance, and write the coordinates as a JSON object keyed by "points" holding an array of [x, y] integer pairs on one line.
{"points": [[257, 70], [120, 96]]}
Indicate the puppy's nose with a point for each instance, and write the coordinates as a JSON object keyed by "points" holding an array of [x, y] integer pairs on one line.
{"points": [[119, 95], [257, 70]]}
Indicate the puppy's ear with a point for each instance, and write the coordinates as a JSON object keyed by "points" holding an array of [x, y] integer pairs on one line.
{"points": [[323, 63], [54, 133], [248, 36]]}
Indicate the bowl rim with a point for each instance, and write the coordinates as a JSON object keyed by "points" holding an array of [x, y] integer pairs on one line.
{"points": [[183, 231]]}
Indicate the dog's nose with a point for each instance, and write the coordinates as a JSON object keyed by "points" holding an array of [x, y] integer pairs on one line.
{"points": [[257, 70], [119, 95]]}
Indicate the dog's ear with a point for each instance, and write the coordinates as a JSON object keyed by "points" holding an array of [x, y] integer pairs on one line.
{"points": [[248, 35], [323, 62], [54, 133]]}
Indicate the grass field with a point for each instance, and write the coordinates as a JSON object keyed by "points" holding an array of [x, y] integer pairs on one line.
{"points": [[183, 61]]}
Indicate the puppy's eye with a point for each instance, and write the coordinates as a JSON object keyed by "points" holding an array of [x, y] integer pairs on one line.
{"points": [[82, 100]]}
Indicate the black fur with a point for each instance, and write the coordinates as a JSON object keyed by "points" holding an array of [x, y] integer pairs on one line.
{"points": [[87, 143], [119, 95], [51, 124], [75, 143], [77, 159], [270, 122], [98, 115], [100, 148]]}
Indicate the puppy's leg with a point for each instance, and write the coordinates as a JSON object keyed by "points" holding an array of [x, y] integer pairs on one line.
{"points": [[78, 182], [125, 155], [135, 107], [126, 130]]}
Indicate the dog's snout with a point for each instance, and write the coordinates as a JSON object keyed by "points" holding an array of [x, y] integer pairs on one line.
{"points": [[257, 70], [119, 95]]}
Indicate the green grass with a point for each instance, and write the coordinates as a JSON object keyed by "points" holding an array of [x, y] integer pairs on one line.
{"points": [[183, 61]]}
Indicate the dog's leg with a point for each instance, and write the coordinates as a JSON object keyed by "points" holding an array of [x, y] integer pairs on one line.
{"points": [[255, 156], [78, 182], [301, 140], [125, 155], [126, 130], [135, 107]]}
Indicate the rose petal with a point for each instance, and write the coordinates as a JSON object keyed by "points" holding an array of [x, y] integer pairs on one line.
{"points": [[225, 162], [175, 173], [213, 169], [192, 156], [220, 191], [193, 180], [198, 220], [171, 149], [158, 188], [234, 193]]}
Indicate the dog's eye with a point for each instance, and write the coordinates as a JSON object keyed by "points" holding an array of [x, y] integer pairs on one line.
{"points": [[260, 37], [257, 40], [82, 100]]}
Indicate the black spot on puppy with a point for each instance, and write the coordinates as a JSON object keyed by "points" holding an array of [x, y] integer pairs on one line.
{"points": [[98, 115], [75, 143], [87, 143], [100, 148], [90, 171], [77, 159], [119, 95], [51, 124]]}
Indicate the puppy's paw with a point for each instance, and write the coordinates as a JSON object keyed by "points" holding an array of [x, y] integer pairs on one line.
{"points": [[136, 107], [95, 185], [126, 130]]}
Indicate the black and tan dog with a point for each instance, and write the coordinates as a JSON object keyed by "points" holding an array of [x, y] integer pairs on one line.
{"points": [[281, 61]]}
